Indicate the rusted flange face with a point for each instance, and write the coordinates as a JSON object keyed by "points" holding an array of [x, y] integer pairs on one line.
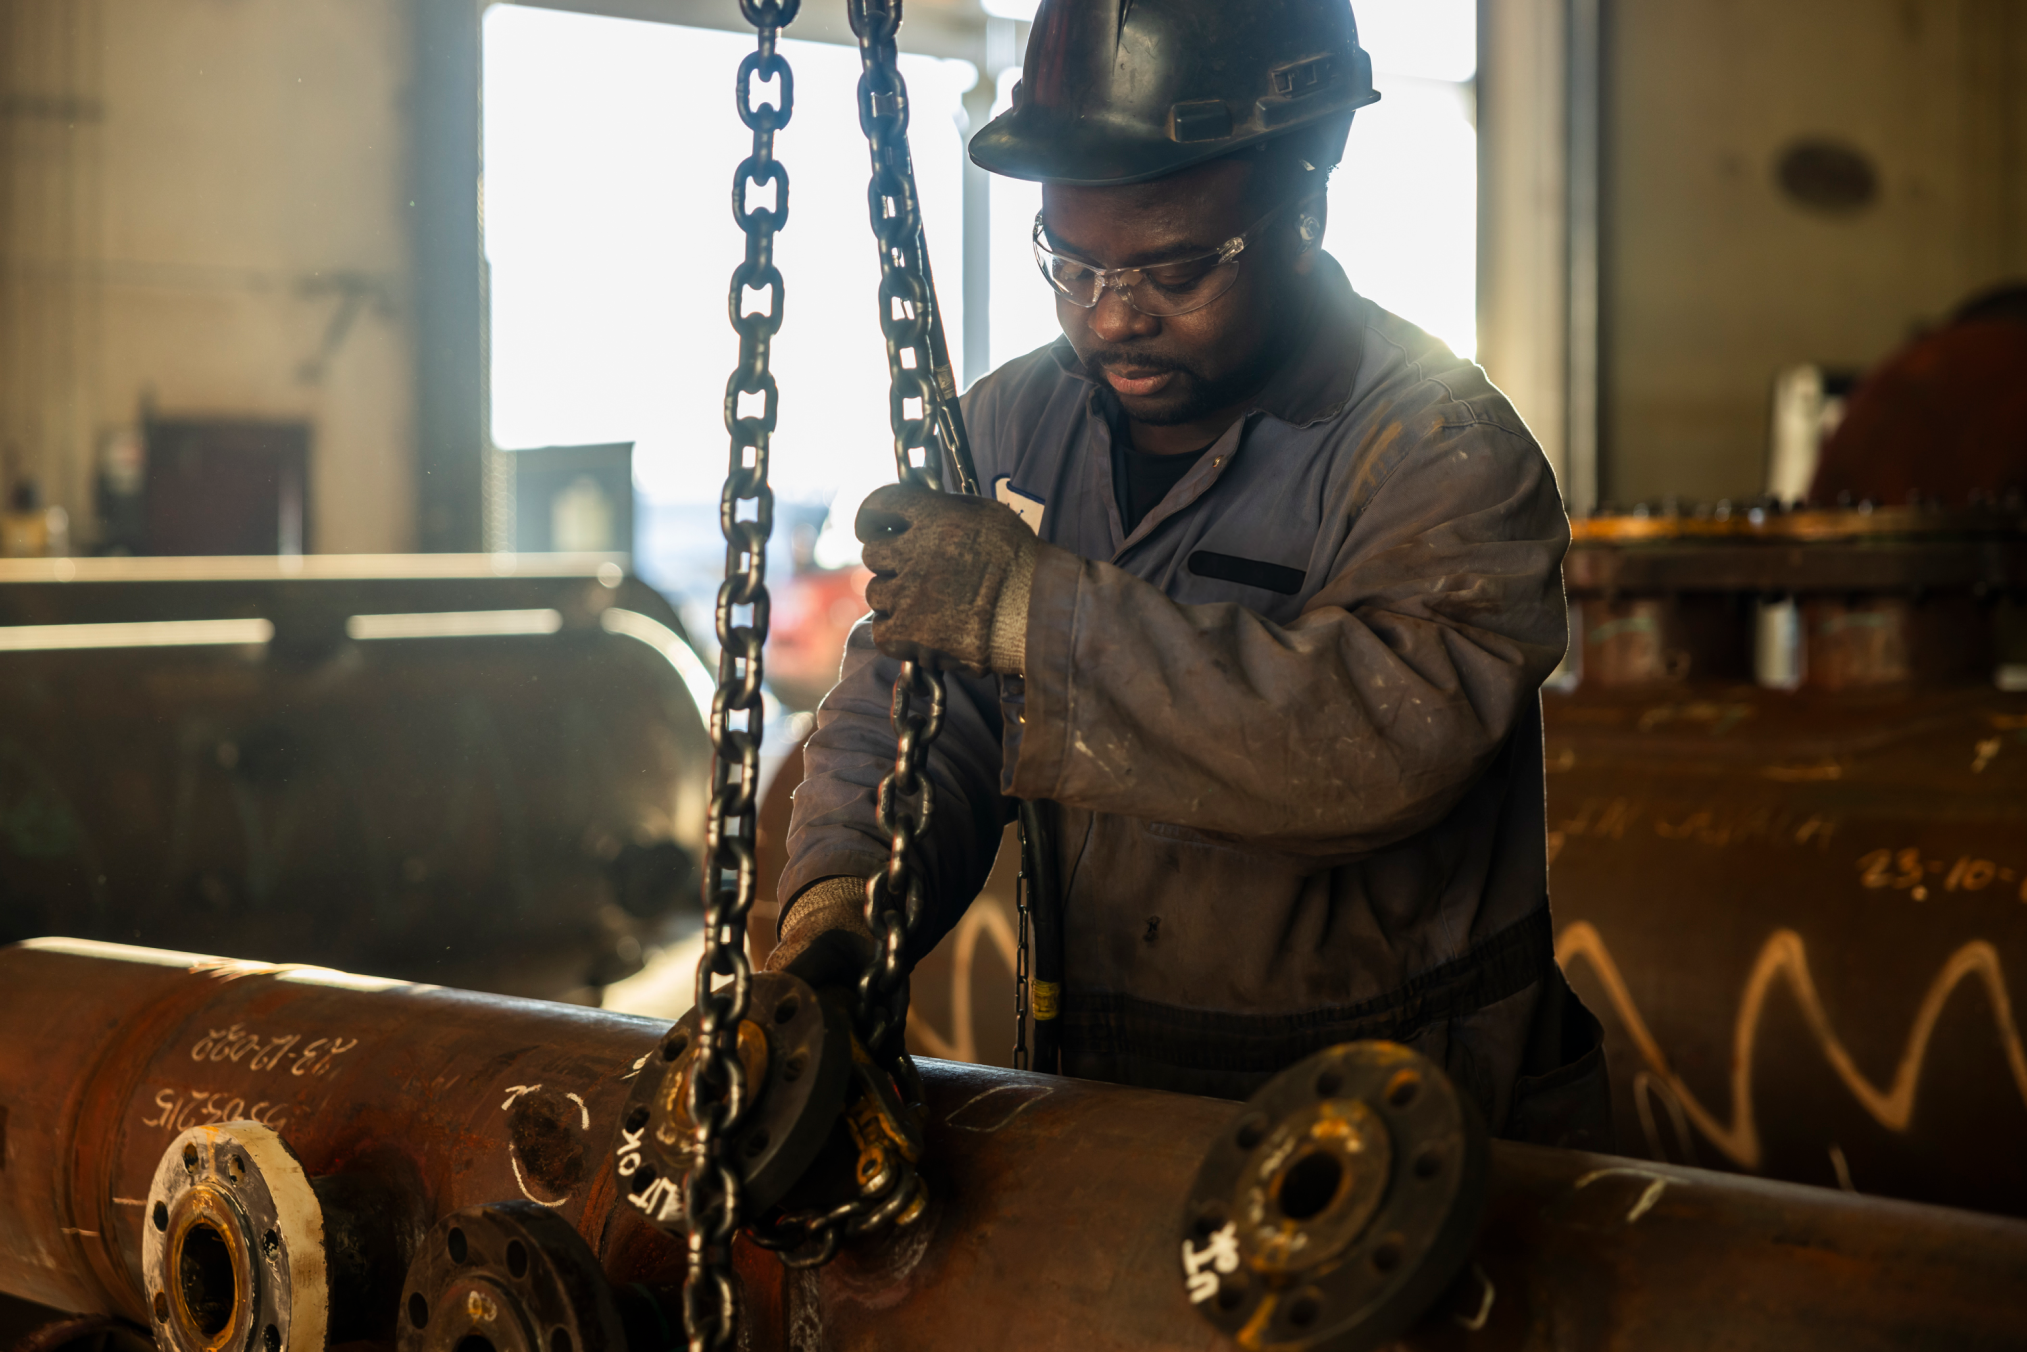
{"points": [[796, 1050], [515, 1276], [1340, 1204], [232, 1245]]}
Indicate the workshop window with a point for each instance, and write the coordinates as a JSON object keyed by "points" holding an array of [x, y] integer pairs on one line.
{"points": [[609, 151], [610, 146]]}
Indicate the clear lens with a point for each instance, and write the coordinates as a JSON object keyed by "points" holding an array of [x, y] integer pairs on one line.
{"points": [[1165, 291], [1073, 279]]}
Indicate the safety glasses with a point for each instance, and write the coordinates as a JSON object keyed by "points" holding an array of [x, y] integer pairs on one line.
{"points": [[1163, 289]]}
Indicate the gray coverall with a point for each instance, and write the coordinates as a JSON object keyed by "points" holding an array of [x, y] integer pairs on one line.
{"points": [[1292, 721]]}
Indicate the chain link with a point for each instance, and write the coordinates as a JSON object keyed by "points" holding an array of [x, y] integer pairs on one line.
{"points": [[928, 431], [928, 434], [718, 1095], [927, 428]]}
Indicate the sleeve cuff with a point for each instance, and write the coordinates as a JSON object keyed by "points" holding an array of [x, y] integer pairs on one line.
{"points": [[1035, 756]]}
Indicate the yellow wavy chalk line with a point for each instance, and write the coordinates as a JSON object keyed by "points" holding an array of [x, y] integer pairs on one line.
{"points": [[1785, 955]]}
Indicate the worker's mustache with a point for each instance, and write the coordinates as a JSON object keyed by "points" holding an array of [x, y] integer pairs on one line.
{"points": [[1140, 363]]}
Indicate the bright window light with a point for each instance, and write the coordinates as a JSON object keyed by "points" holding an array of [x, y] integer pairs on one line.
{"points": [[610, 146], [1023, 308], [1022, 10], [454, 624], [133, 634], [1425, 39], [1404, 204]]}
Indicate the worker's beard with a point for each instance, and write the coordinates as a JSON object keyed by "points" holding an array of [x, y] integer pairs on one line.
{"points": [[1194, 393]]}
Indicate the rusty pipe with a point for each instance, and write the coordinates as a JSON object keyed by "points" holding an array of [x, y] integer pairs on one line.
{"points": [[1042, 1184], [110, 1052], [1073, 1189]]}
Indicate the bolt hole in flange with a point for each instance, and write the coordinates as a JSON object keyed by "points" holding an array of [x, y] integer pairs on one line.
{"points": [[524, 1282], [232, 1253], [1346, 1194]]}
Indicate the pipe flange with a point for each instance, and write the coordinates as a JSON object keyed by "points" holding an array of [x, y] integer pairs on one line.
{"points": [[232, 1245], [513, 1275], [796, 1051], [1339, 1206]]}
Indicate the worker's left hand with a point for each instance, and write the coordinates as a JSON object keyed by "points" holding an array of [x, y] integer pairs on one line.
{"points": [[950, 578], [824, 937]]}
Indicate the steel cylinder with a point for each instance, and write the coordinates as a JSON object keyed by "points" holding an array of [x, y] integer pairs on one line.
{"points": [[1801, 913], [1058, 1203], [484, 772]]}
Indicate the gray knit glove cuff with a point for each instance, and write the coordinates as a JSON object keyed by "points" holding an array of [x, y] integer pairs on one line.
{"points": [[833, 904], [1010, 616]]}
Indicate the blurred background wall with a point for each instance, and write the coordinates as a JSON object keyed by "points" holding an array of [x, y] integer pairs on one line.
{"points": [[1715, 276], [205, 207]]}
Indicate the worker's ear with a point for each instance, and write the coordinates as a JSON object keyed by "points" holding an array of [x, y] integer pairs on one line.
{"points": [[1310, 218]]}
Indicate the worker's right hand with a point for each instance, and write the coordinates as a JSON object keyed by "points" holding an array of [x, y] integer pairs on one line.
{"points": [[951, 577], [824, 938]]}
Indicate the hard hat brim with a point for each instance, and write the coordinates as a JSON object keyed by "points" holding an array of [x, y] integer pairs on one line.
{"points": [[1026, 142]]}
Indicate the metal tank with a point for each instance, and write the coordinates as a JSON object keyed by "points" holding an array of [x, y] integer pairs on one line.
{"points": [[1787, 810], [487, 771], [131, 1078]]}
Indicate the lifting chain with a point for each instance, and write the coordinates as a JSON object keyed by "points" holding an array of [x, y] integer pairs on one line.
{"points": [[883, 1113], [928, 431], [884, 1116], [718, 1094]]}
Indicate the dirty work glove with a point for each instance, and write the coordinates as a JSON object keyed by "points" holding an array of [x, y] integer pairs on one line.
{"points": [[824, 939], [951, 575]]}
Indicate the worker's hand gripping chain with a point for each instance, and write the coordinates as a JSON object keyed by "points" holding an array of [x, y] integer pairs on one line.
{"points": [[717, 1089]]}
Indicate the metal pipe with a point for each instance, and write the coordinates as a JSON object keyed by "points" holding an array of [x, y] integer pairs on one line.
{"points": [[454, 1098], [1042, 1184]]}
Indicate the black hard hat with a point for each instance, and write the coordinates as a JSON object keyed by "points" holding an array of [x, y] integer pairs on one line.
{"points": [[1122, 91]]}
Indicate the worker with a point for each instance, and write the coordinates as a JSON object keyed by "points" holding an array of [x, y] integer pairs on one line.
{"points": [[1279, 576]]}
